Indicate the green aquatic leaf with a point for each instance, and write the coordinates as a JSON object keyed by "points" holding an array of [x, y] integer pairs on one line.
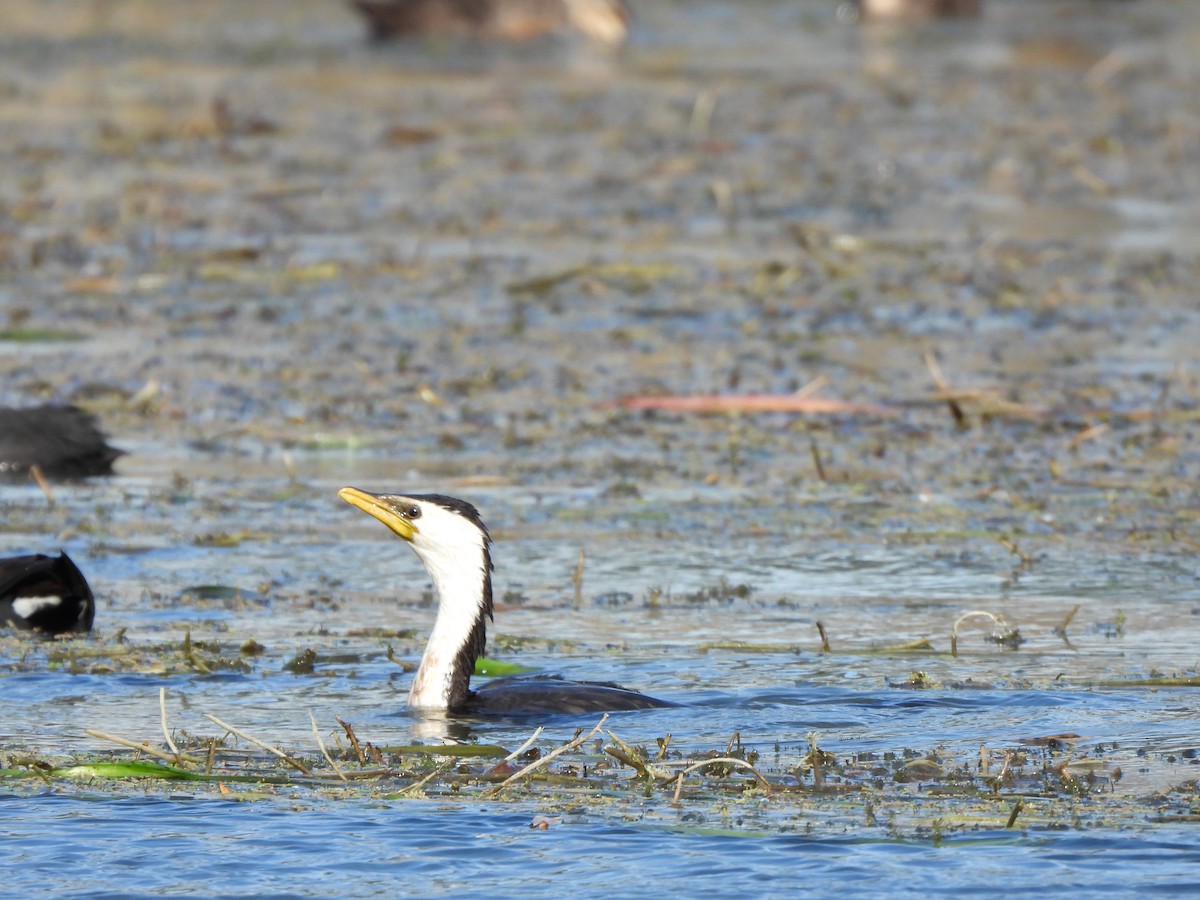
{"points": [[39, 335], [115, 770], [493, 667], [118, 770]]}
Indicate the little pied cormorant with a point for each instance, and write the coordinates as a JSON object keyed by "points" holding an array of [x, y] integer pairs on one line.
{"points": [[453, 543]]}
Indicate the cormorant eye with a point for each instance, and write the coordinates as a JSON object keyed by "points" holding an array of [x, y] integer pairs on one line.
{"points": [[413, 512]]}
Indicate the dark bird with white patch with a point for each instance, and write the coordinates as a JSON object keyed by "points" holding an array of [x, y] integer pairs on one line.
{"points": [[449, 537], [47, 594]]}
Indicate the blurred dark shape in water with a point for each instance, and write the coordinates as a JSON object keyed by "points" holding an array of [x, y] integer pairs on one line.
{"points": [[62, 441]]}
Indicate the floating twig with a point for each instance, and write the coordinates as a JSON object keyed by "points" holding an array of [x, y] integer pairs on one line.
{"points": [[935, 370], [36, 473], [1004, 633], [189, 654], [735, 740], [1016, 811], [1086, 435], [728, 760], [162, 710], [437, 772], [577, 741], [525, 746], [631, 757], [704, 403], [816, 458], [1061, 628], [814, 758], [1027, 559], [355, 747], [324, 752], [294, 763], [824, 637], [663, 743], [392, 657], [143, 747]]}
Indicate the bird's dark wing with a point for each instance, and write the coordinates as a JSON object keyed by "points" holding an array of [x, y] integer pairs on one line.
{"points": [[552, 695]]}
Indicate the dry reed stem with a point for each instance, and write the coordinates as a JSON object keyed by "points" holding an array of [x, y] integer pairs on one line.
{"points": [[998, 621], [439, 770], [162, 711], [816, 458], [1008, 756], [811, 388], [944, 389], [1061, 628], [354, 744], [1086, 435], [824, 637], [705, 403], [541, 761], [1016, 811], [935, 371], [525, 746], [516, 753], [35, 472], [324, 752], [663, 743], [144, 746], [731, 760], [629, 756], [294, 763]]}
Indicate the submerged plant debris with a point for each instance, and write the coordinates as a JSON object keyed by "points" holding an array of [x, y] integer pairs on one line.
{"points": [[1038, 783]]}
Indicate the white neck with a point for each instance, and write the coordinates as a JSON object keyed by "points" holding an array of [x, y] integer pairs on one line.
{"points": [[461, 580]]}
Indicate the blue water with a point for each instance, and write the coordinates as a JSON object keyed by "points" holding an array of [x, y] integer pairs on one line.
{"points": [[114, 839], [101, 847]]}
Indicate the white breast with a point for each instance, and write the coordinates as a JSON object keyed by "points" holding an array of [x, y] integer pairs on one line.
{"points": [[29, 606]]}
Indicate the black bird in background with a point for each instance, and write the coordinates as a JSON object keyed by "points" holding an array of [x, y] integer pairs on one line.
{"points": [[45, 593], [62, 441]]}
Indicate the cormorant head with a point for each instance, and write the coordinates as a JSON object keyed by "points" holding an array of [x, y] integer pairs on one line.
{"points": [[444, 531]]}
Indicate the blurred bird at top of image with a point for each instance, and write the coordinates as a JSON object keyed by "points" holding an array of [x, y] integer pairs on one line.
{"points": [[885, 10], [602, 21]]}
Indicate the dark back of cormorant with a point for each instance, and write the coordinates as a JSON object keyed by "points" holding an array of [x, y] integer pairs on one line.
{"points": [[550, 695]]}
